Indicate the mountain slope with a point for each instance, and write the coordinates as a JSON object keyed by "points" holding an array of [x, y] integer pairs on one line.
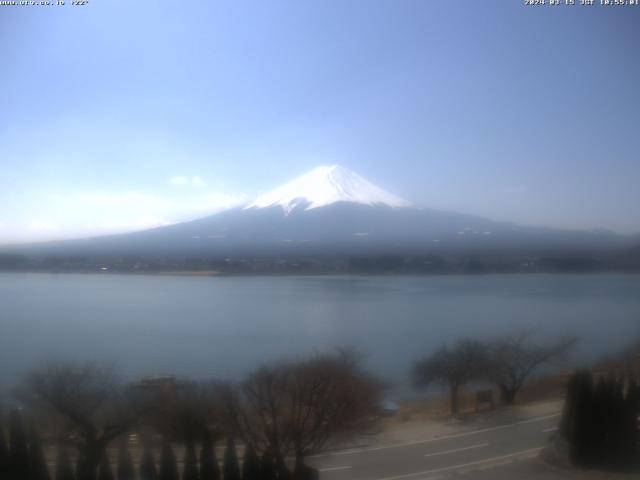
{"points": [[341, 228]]}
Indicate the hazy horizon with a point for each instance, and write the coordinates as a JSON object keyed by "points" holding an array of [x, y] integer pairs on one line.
{"points": [[240, 203], [122, 117]]}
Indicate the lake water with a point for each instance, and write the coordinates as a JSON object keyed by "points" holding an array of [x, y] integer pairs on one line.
{"points": [[224, 327]]}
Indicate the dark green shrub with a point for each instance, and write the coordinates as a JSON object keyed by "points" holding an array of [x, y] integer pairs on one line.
{"points": [[38, 464], [148, 469], [126, 469], [190, 471], [231, 467], [168, 465], [267, 467], [251, 465], [104, 469], [64, 470], [209, 469], [601, 422], [19, 451]]}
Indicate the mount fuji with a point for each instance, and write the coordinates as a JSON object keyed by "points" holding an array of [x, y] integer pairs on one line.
{"points": [[333, 212], [324, 186]]}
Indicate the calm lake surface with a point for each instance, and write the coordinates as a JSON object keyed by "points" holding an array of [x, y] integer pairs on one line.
{"points": [[224, 327]]}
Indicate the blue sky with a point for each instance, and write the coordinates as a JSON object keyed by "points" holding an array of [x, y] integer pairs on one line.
{"points": [[122, 115]]}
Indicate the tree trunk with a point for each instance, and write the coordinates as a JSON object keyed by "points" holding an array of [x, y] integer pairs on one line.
{"points": [[302, 471], [454, 399], [298, 472], [281, 466], [89, 459], [507, 395]]}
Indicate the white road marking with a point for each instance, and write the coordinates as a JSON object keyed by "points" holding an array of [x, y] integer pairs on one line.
{"points": [[434, 439], [480, 445], [547, 430], [462, 465], [333, 469], [522, 422]]}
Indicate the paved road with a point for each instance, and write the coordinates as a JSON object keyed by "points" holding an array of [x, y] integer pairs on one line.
{"points": [[433, 458]]}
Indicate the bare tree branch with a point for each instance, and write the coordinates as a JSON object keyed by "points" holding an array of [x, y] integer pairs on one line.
{"points": [[453, 367], [85, 403], [513, 358]]}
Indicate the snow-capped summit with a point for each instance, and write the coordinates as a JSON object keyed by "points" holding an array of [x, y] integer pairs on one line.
{"points": [[326, 185]]}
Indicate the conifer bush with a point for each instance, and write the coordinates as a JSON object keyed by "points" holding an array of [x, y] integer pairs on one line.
{"points": [[600, 420], [64, 470], [231, 467], [251, 465], [37, 463], [126, 469], [148, 469], [104, 469], [190, 470], [267, 467], [4, 451], [209, 469], [19, 451], [168, 464]]}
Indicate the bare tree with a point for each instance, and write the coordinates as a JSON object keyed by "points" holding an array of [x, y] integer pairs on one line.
{"points": [[453, 367], [513, 358], [87, 406], [330, 398], [259, 411], [298, 407], [185, 412]]}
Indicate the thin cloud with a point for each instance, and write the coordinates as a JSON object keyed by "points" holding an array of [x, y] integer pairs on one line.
{"points": [[178, 181], [42, 226], [118, 198], [86, 213], [197, 181], [181, 181], [118, 225], [119, 204], [217, 201]]}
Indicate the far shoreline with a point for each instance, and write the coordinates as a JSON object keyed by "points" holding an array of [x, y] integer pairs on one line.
{"points": [[216, 273]]}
